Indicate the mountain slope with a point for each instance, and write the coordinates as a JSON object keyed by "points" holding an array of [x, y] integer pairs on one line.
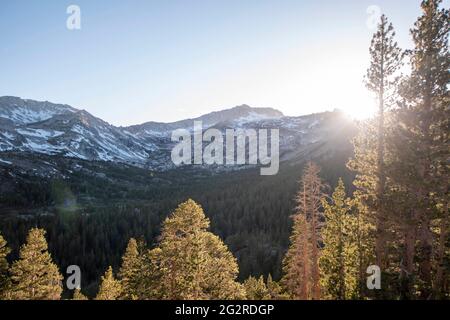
{"points": [[54, 129], [243, 113], [19, 111]]}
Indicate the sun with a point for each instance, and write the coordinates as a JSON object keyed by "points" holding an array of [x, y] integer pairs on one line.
{"points": [[361, 107]]}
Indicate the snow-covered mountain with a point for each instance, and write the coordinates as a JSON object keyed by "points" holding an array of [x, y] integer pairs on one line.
{"points": [[54, 129], [20, 111], [241, 114], [43, 127]]}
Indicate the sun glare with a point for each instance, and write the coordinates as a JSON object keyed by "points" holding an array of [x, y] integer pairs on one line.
{"points": [[363, 107]]}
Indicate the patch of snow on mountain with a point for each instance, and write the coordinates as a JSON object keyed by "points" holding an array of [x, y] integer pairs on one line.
{"points": [[8, 135], [41, 147], [4, 161], [80, 130], [40, 133], [25, 115], [253, 117], [157, 133]]}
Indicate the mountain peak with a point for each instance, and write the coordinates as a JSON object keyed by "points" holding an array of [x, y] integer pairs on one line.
{"points": [[25, 111], [267, 111], [240, 112], [243, 106], [270, 112]]}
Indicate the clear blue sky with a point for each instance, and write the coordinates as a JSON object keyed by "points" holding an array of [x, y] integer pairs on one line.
{"points": [[140, 60]]}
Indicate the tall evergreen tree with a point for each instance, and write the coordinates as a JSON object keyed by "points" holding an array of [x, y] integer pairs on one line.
{"points": [[339, 261], [310, 201], [382, 78], [34, 276], [220, 271], [4, 266], [301, 264], [130, 271], [421, 141], [110, 288], [191, 262], [374, 216], [364, 163]]}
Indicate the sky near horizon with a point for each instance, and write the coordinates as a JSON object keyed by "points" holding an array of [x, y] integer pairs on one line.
{"points": [[166, 60]]}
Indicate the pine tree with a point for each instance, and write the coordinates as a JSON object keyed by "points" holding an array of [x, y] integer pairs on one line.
{"points": [[77, 295], [34, 276], [220, 271], [339, 263], [421, 144], [382, 78], [110, 288], [256, 289], [374, 217], [297, 262], [4, 266], [310, 200], [364, 163], [192, 263], [301, 264], [131, 271]]}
